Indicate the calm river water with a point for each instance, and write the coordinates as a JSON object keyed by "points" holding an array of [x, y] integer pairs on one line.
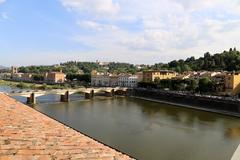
{"points": [[148, 130], [151, 131]]}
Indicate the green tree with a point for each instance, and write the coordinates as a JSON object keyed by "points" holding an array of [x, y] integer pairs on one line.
{"points": [[186, 67], [38, 77], [22, 85], [205, 85], [79, 77], [191, 85]]}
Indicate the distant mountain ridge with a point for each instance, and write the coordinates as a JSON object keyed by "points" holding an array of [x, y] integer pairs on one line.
{"points": [[3, 67]]}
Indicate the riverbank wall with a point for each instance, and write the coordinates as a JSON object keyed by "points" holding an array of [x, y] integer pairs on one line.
{"points": [[226, 106]]}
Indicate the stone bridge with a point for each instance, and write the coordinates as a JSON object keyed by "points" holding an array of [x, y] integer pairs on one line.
{"points": [[65, 93]]}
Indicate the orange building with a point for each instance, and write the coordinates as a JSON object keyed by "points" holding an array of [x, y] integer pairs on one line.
{"points": [[54, 77]]}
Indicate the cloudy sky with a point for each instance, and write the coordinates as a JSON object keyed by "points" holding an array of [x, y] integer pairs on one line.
{"points": [[136, 31]]}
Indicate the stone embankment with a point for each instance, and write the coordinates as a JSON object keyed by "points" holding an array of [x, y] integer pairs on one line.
{"points": [[28, 134], [226, 106]]}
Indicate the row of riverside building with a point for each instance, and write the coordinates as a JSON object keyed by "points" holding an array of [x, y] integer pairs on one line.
{"points": [[128, 80], [48, 77], [112, 80], [226, 83]]}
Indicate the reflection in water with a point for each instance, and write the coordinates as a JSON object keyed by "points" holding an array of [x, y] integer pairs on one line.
{"points": [[172, 111], [233, 132], [185, 117], [151, 131]]}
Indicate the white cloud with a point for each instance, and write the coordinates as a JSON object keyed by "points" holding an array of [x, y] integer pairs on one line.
{"points": [[102, 7], [96, 26], [3, 15], [2, 1], [153, 31]]}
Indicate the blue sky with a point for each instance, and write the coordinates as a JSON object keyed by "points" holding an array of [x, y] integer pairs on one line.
{"points": [[146, 31]]}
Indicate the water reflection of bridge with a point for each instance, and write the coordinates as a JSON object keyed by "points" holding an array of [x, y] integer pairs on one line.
{"points": [[65, 93]]}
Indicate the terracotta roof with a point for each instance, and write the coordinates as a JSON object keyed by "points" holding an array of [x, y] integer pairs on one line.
{"points": [[27, 134]]}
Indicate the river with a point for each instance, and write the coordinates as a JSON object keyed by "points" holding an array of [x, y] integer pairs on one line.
{"points": [[148, 130]]}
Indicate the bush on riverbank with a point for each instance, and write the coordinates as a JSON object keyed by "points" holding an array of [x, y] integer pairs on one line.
{"points": [[205, 85], [24, 85], [171, 84]]}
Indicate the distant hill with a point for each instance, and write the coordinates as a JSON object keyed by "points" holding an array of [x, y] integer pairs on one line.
{"points": [[227, 60], [3, 67]]}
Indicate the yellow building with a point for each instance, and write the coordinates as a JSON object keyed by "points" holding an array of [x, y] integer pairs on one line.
{"points": [[150, 76], [232, 83], [94, 72]]}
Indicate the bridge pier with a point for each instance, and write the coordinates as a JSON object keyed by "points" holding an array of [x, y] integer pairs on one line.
{"points": [[111, 93], [31, 99], [89, 95], [65, 97], [121, 93]]}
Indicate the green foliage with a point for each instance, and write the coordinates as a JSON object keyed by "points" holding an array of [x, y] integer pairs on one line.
{"points": [[38, 77], [192, 85], [79, 77], [227, 60], [22, 85], [74, 67], [37, 69], [171, 84], [41, 87], [33, 86], [121, 68], [44, 86], [71, 69], [205, 85]]}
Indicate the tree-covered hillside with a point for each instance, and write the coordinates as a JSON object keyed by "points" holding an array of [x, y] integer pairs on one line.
{"points": [[227, 60]]}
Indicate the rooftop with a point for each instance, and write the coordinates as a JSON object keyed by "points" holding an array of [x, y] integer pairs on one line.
{"points": [[28, 134], [162, 71]]}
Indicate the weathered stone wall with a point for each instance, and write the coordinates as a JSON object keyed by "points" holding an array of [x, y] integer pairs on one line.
{"points": [[202, 102]]}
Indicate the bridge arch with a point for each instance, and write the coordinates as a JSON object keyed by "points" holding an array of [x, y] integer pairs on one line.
{"points": [[64, 94]]}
